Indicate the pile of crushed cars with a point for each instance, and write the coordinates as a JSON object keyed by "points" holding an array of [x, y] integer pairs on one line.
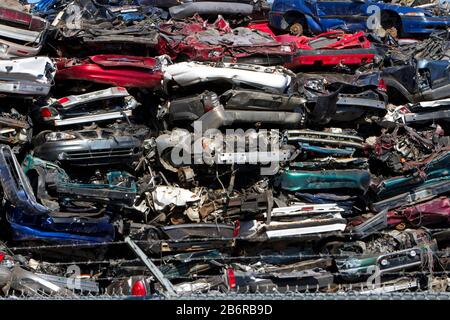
{"points": [[166, 148]]}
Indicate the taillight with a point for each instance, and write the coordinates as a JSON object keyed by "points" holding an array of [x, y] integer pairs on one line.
{"points": [[139, 289], [2, 256], [210, 101], [46, 113], [237, 226], [63, 100], [403, 109], [382, 85], [15, 16], [208, 107], [378, 149], [231, 278]]}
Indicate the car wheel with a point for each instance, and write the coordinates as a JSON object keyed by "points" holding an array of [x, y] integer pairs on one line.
{"points": [[296, 29]]}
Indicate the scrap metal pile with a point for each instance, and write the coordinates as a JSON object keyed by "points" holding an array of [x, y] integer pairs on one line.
{"points": [[165, 148]]}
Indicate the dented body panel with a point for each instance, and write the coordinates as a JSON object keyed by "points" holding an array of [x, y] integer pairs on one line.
{"points": [[117, 70], [27, 76], [21, 34]]}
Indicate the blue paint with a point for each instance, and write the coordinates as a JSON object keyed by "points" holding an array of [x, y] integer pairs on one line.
{"points": [[351, 16]]}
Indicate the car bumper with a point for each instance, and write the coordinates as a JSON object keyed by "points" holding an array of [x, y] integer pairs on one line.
{"points": [[122, 149], [9, 50], [331, 57], [92, 118], [424, 24]]}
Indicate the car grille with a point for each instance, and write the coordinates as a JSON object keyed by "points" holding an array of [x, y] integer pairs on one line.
{"points": [[101, 153]]}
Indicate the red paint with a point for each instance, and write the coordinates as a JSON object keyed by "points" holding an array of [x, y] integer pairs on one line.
{"points": [[28, 21], [187, 39], [436, 211], [117, 70], [329, 58], [358, 49]]}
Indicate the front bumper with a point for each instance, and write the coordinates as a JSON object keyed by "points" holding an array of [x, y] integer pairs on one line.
{"points": [[117, 150], [331, 57], [424, 24], [11, 50], [92, 118]]}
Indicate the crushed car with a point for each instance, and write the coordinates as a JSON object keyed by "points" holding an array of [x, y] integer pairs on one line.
{"points": [[194, 149], [21, 34]]}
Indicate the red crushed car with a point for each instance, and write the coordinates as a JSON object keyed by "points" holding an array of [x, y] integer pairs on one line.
{"points": [[326, 49], [117, 70], [196, 39], [434, 212]]}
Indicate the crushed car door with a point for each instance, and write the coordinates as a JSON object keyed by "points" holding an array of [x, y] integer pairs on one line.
{"points": [[342, 14]]}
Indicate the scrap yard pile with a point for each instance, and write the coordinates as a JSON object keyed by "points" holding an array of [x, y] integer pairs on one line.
{"points": [[159, 148]]}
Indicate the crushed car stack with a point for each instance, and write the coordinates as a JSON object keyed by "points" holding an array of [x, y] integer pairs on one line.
{"points": [[170, 148]]}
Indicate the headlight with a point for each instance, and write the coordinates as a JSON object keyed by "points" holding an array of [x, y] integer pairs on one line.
{"points": [[415, 14], [286, 48], [57, 136], [214, 54], [3, 48]]}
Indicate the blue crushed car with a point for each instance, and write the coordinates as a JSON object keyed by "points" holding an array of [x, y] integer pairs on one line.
{"points": [[31, 220], [317, 16]]}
